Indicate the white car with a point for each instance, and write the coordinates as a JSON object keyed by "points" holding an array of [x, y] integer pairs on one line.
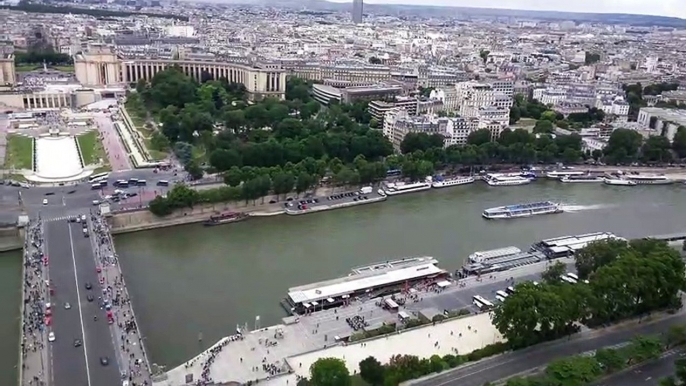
{"points": [[51, 337], [45, 201]]}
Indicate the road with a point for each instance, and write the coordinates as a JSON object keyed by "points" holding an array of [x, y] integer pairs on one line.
{"points": [[71, 266], [648, 374], [507, 365]]}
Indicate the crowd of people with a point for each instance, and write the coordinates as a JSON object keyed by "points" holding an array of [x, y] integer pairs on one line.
{"points": [[357, 322], [36, 295], [205, 376], [114, 293]]}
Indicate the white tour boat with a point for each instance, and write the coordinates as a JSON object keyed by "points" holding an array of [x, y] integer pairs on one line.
{"points": [[453, 182], [649, 179], [395, 188], [618, 182], [522, 210], [582, 178], [506, 180]]}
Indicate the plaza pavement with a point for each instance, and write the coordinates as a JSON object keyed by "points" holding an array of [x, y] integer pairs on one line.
{"points": [[269, 353], [115, 150]]}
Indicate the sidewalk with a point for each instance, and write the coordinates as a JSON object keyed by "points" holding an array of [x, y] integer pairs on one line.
{"points": [[34, 340], [131, 355]]}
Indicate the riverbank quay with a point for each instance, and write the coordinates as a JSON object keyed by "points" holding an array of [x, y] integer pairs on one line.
{"points": [[34, 352], [132, 356], [338, 201], [268, 354]]}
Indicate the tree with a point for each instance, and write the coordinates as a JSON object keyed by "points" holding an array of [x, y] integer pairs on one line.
{"points": [[479, 137], [554, 272], [283, 183], [234, 120], [329, 372], [656, 149], [233, 176], [623, 146], [573, 371], [193, 170], [679, 142], [304, 182], [676, 335], [543, 126], [159, 206], [372, 371], [643, 348], [598, 254]]}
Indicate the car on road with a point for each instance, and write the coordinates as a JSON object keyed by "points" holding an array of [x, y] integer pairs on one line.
{"points": [[98, 269], [96, 202], [50, 193], [51, 337], [104, 361], [88, 285], [77, 343], [67, 306], [89, 298], [45, 201], [85, 232]]}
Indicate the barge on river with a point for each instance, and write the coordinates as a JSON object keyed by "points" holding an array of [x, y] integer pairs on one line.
{"points": [[369, 282], [225, 218]]}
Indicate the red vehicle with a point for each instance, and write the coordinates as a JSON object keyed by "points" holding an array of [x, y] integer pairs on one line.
{"points": [[48, 321], [45, 260], [98, 269], [102, 280], [110, 317]]}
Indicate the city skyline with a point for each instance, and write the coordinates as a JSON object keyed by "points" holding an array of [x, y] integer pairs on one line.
{"points": [[672, 8]]}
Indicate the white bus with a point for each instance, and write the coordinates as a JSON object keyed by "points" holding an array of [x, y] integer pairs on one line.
{"points": [[568, 279], [510, 290], [500, 298], [502, 294], [481, 303], [573, 276], [98, 177]]}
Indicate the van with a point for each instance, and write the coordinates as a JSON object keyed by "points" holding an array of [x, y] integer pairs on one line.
{"points": [[96, 186], [162, 183], [85, 232], [142, 182]]}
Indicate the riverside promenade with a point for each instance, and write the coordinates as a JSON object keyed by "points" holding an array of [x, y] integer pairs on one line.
{"points": [[34, 356], [131, 354]]}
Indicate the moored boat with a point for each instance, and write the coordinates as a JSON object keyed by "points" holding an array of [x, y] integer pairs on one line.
{"points": [[557, 174], [444, 183], [522, 210], [618, 182], [395, 188], [505, 180], [649, 179], [581, 178], [225, 218]]}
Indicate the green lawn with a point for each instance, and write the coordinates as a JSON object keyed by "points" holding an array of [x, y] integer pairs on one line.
{"points": [[26, 67], [63, 68], [91, 148], [19, 152]]}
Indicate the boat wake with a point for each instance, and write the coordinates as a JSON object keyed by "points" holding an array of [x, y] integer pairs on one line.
{"points": [[579, 208]]}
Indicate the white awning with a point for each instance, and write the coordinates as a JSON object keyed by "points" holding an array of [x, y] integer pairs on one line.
{"points": [[306, 305], [443, 283], [315, 304], [345, 296], [329, 300]]}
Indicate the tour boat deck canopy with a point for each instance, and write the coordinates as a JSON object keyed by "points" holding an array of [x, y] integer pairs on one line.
{"points": [[344, 287]]}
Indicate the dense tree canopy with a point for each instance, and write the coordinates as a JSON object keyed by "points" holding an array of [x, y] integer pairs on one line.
{"points": [[329, 372], [624, 280]]}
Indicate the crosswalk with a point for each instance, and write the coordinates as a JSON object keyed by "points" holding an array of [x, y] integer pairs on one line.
{"points": [[58, 218]]}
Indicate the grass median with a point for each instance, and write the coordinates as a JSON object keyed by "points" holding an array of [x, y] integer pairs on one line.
{"points": [[19, 152]]}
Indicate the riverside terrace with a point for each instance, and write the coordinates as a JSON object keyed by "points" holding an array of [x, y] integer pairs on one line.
{"points": [[263, 353]]}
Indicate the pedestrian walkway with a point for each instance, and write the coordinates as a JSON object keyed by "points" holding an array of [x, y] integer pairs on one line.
{"points": [[130, 349], [35, 316]]}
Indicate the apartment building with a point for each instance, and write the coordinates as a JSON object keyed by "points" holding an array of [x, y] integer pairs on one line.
{"points": [[661, 121], [613, 105], [378, 109], [398, 123], [475, 96]]}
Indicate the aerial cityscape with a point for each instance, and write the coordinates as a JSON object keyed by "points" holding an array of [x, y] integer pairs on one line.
{"points": [[339, 193]]}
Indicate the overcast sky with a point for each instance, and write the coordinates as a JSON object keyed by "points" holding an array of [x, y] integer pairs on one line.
{"points": [[675, 8]]}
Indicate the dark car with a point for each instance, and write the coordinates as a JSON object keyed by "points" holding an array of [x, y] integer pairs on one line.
{"points": [[104, 361], [89, 298], [77, 343], [88, 285]]}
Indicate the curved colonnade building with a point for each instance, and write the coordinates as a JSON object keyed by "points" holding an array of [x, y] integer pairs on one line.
{"points": [[100, 67]]}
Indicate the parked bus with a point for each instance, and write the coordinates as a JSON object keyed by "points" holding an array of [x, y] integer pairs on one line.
{"points": [[510, 290], [568, 279], [162, 183], [98, 177], [573, 276], [502, 294], [500, 298], [482, 303]]}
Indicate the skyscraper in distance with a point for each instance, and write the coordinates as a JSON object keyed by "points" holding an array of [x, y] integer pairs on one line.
{"points": [[358, 11]]}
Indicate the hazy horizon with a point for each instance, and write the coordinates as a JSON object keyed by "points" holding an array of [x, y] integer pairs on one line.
{"points": [[672, 8]]}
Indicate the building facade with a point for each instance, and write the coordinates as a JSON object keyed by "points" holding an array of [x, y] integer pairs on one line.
{"points": [[100, 67], [7, 73]]}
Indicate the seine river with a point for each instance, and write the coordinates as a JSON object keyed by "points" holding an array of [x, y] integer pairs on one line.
{"points": [[192, 281]]}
